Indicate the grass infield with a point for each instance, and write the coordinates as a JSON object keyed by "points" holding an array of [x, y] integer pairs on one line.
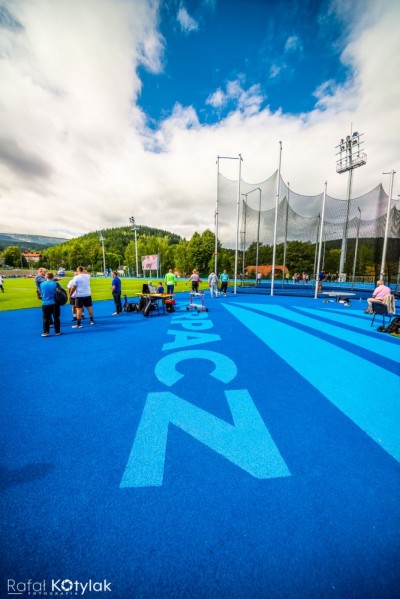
{"points": [[21, 293]]}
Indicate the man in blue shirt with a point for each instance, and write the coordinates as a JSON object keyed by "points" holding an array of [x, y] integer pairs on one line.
{"points": [[116, 292], [49, 308]]}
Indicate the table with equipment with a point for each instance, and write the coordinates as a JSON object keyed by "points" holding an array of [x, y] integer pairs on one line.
{"points": [[155, 302]]}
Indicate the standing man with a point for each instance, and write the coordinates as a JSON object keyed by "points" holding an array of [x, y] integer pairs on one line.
{"points": [[39, 279], [1, 284], [116, 293], [224, 278], [49, 308], [170, 281], [83, 296]]}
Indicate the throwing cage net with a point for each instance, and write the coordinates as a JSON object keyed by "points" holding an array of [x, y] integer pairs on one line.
{"points": [[246, 215]]}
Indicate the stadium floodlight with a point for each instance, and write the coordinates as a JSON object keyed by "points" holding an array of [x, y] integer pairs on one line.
{"points": [[104, 255], [351, 156], [384, 250], [134, 230], [258, 227], [240, 159]]}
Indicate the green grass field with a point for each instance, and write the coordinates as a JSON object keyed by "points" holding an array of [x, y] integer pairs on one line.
{"points": [[21, 293]]}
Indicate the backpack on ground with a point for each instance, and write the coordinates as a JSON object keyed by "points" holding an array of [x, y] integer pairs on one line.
{"points": [[60, 296], [394, 327]]}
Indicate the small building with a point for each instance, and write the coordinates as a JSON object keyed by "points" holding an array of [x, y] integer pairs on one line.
{"points": [[32, 256]]}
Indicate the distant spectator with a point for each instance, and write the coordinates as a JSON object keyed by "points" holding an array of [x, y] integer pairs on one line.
{"points": [[1, 284], [213, 284], [224, 278], [116, 293], [170, 281], [40, 277], [195, 279]]}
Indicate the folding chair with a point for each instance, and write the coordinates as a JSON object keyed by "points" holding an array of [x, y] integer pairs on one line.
{"points": [[382, 310]]}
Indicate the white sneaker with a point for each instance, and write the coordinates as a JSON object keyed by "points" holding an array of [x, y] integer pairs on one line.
{"points": [[114, 314]]}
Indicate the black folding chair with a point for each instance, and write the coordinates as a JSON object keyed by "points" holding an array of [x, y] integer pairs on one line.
{"points": [[382, 310]]}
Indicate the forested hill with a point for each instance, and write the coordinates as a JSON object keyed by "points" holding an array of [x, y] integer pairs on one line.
{"points": [[116, 239], [28, 242]]}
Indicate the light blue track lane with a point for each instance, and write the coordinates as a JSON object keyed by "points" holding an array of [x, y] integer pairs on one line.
{"points": [[377, 345], [368, 395]]}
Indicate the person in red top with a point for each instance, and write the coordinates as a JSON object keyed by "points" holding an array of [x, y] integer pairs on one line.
{"points": [[379, 295]]}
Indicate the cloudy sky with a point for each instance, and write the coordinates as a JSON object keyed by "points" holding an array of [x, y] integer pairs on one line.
{"points": [[113, 108]]}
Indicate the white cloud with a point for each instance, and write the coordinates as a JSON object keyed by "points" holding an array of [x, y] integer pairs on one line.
{"points": [[186, 22], [247, 101], [293, 43], [74, 145], [274, 71]]}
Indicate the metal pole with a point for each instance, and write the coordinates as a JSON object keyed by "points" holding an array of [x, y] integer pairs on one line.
{"points": [[382, 274], [286, 230], [346, 223], [136, 252], [237, 225], [244, 237], [320, 240], [258, 226], [216, 224], [104, 256], [276, 219], [258, 232], [316, 247], [356, 248]]}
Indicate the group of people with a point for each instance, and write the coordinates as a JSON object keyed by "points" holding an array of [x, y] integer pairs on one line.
{"points": [[80, 297]]}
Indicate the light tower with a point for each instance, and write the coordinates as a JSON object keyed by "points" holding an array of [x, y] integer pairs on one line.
{"points": [[134, 230], [351, 156], [104, 255]]}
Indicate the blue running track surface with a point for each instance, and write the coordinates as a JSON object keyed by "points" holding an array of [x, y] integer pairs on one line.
{"points": [[251, 451]]}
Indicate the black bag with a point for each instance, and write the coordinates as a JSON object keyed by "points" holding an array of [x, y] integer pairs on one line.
{"points": [[394, 326], [131, 307], [60, 296]]}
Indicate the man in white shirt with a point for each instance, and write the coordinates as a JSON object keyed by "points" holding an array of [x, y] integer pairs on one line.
{"points": [[83, 296]]}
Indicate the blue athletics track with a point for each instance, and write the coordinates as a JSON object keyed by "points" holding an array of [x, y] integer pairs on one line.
{"points": [[251, 451]]}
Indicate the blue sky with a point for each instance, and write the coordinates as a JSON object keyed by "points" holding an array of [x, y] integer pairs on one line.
{"points": [[286, 49], [117, 107]]}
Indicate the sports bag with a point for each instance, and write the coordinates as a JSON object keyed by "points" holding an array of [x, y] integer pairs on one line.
{"points": [[394, 326], [60, 296]]}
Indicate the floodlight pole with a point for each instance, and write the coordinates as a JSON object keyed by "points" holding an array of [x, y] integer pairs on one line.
{"points": [[237, 216], [276, 219], [216, 224], [286, 231], [134, 230], [104, 255], [351, 157], [384, 250], [356, 248], [258, 226], [321, 229]]}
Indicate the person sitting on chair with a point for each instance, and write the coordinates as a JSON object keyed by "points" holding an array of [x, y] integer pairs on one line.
{"points": [[379, 295]]}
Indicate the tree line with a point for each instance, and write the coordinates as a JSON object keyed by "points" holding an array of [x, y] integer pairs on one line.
{"points": [[199, 252]]}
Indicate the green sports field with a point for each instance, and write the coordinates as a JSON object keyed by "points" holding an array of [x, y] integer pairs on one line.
{"points": [[21, 293]]}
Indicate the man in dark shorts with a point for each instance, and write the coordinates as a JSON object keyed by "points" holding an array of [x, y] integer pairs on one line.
{"points": [[83, 296]]}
